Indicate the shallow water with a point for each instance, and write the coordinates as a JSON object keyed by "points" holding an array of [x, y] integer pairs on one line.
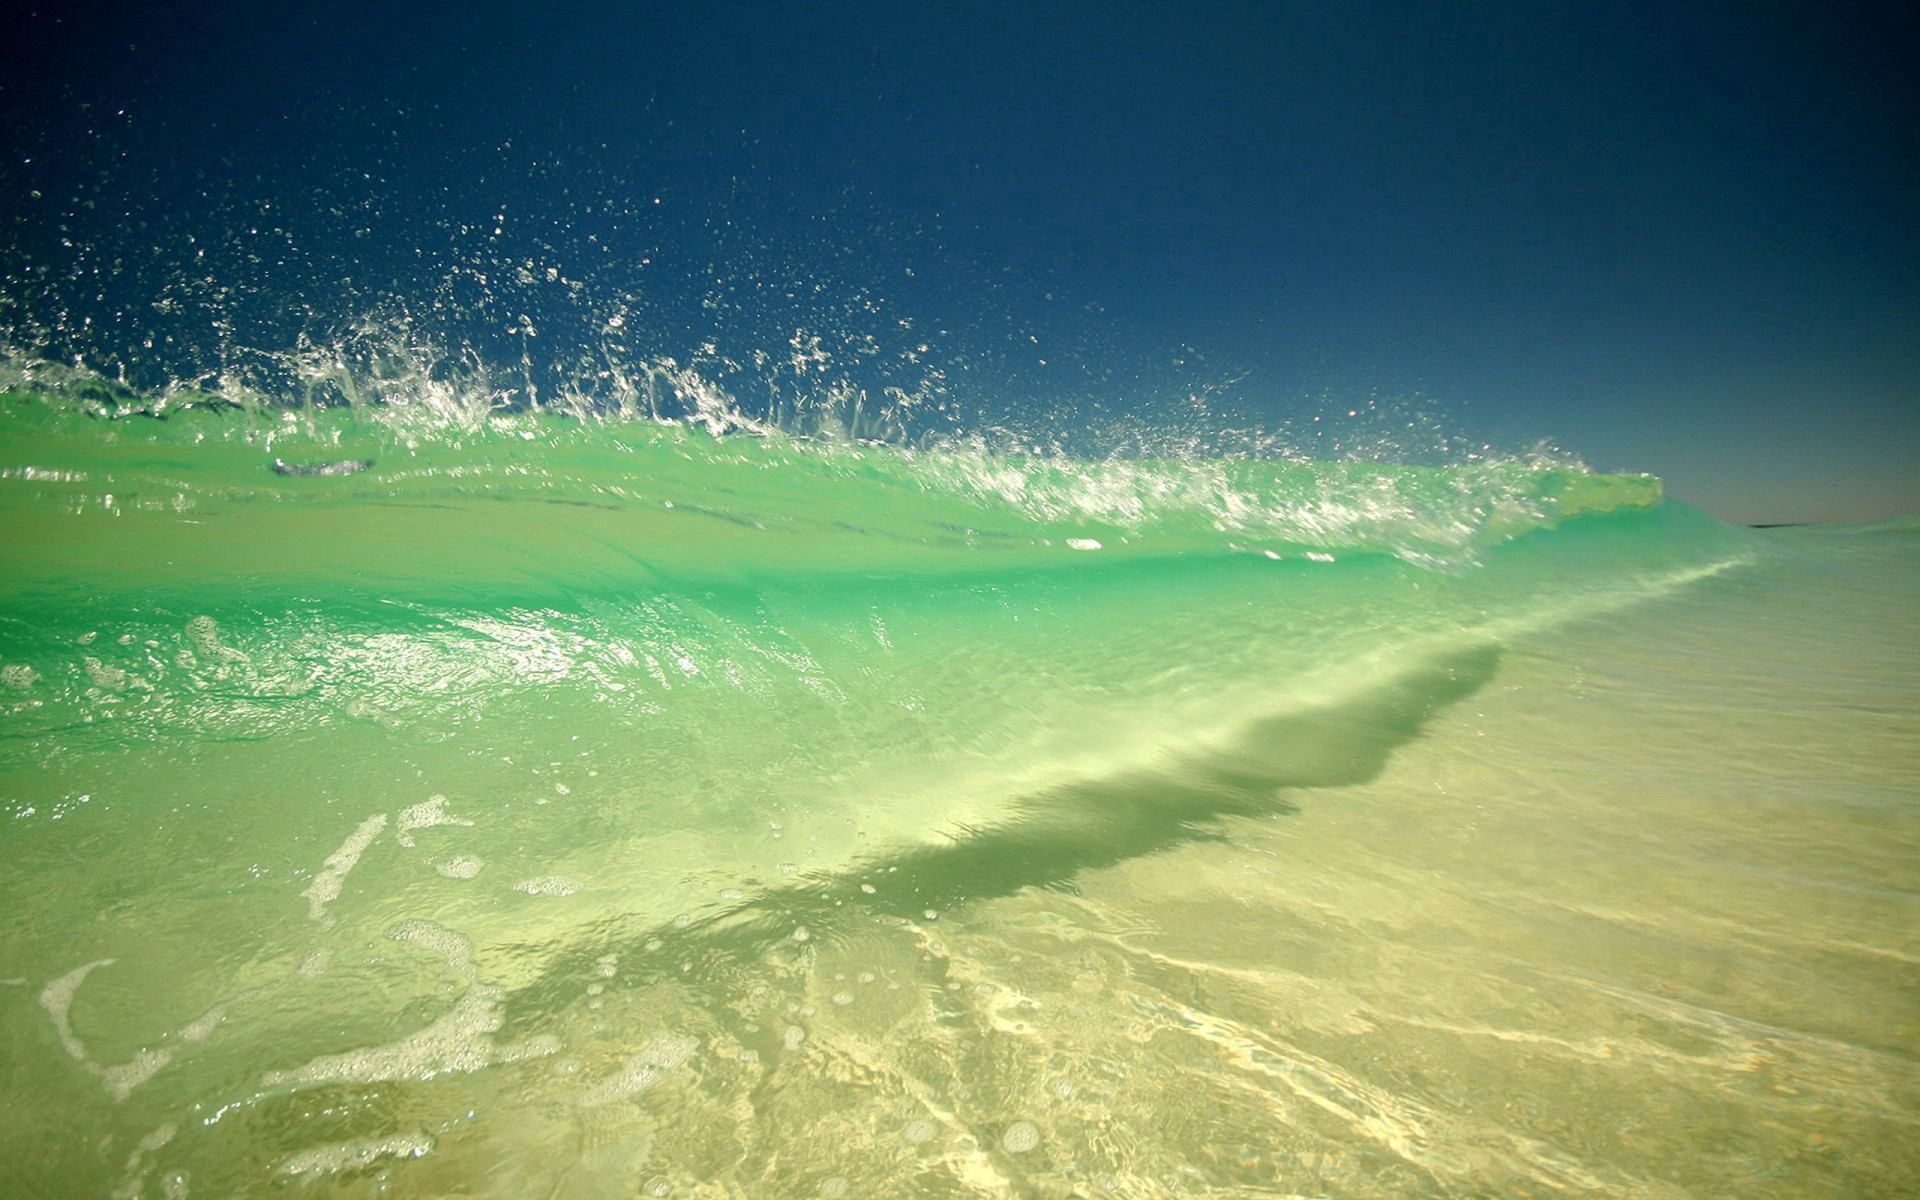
{"points": [[597, 810]]}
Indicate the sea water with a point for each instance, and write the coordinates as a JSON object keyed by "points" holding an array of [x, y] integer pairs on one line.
{"points": [[573, 806]]}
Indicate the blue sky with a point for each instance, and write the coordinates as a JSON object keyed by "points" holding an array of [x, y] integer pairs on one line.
{"points": [[1678, 239]]}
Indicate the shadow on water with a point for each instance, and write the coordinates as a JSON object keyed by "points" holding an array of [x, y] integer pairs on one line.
{"points": [[1049, 837]]}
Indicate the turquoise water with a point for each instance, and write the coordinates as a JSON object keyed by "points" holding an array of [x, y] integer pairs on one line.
{"points": [[528, 805]]}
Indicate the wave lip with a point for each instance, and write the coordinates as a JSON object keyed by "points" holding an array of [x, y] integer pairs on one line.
{"points": [[615, 495]]}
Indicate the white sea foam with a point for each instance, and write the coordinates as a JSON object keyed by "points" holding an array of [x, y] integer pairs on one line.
{"points": [[326, 885], [663, 1053], [1020, 1137], [460, 866], [113, 679], [456, 948], [461, 1040], [144, 1065], [425, 816], [204, 633], [353, 1156], [122, 1078], [548, 885], [57, 999], [632, 1078], [134, 1175]]}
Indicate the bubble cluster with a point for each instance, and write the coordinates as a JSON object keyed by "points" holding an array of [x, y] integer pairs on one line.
{"points": [[426, 815], [459, 1041], [332, 877], [1020, 1137], [355, 1155], [548, 885], [662, 1053], [455, 948], [919, 1131], [460, 866]]}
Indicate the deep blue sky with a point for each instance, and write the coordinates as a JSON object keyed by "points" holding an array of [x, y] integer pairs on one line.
{"points": [[1683, 239]]}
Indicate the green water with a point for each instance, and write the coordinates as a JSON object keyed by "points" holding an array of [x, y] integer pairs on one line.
{"points": [[540, 808]]}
